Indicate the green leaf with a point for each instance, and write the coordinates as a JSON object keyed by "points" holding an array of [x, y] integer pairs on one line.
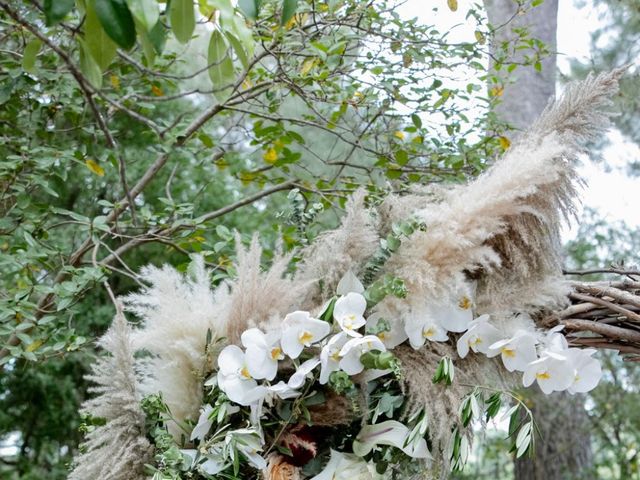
{"points": [[158, 37], [183, 19], [289, 8], [146, 12], [29, 55], [117, 21], [249, 8], [99, 44], [221, 69], [89, 67], [239, 49], [147, 47], [417, 121], [56, 10]]}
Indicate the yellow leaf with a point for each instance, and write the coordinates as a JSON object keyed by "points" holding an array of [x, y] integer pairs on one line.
{"points": [[247, 84], [115, 82], [480, 37], [496, 91], [418, 139], [504, 142], [270, 156], [34, 346], [399, 134], [199, 238], [297, 19], [308, 65], [94, 167], [157, 91], [453, 5]]}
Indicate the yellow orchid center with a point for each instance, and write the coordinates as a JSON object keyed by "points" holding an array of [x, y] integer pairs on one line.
{"points": [[335, 355], [348, 321], [245, 373], [276, 353], [508, 352], [465, 303], [543, 376], [382, 335], [305, 338], [474, 342], [428, 332]]}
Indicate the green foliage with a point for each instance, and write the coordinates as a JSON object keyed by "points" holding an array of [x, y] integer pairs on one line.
{"points": [[126, 141]]}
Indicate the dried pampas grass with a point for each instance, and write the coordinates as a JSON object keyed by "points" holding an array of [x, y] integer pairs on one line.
{"points": [[176, 311], [257, 298], [119, 449], [335, 252]]}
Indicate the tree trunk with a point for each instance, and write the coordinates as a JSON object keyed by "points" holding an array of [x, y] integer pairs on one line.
{"points": [[564, 450]]}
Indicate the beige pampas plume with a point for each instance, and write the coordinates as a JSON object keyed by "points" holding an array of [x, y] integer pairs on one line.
{"points": [[176, 311], [257, 298], [334, 253], [118, 449], [504, 226]]}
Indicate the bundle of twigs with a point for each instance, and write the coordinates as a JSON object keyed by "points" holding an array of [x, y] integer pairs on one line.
{"points": [[604, 314]]}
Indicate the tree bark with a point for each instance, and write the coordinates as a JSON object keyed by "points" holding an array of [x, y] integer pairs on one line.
{"points": [[564, 450]]}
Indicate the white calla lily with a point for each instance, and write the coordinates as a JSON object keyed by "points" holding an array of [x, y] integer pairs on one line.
{"points": [[349, 313], [352, 351], [299, 377], [262, 353], [330, 356], [421, 325], [390, 331], [516, 352], [301, 330], [391, 433], [344, 466], [349, 283], [480, 336], [234, 378], [553, 372], [204, 424], [588, 371]]}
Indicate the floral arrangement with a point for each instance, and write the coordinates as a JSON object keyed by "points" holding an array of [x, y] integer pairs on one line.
{"points": [[376, 358]]}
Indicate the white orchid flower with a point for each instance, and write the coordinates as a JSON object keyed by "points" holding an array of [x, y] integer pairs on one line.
{"points": [[554, 372], [349, 283], [344, 466], [480, 336], [352, 351], [390, 331], [204, 424], [555, 341], [421, 326], [517, 352], [457, 316], [301, 330], [283, 391], [234, 378], [330, 356], [588, 371], [262, 353], [299, 377], [349, 313], [391, 433]]}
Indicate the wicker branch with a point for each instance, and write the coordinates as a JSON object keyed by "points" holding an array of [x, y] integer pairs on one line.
{"points": [[604, 314]]}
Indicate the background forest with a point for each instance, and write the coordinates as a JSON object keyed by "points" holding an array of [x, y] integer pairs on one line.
{"points": [[154, 134]]}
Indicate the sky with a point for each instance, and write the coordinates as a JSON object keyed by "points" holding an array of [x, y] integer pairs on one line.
{"points": [[609, 189]]}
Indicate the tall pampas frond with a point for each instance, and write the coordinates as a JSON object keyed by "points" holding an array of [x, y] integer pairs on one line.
{"points": [[335, 252], [176, 311], [257, 298], [504, 226], [118, 449]]}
